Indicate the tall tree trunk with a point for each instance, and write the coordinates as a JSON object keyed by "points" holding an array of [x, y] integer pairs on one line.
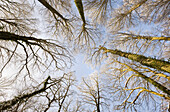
{"points": [[79, 5], [133, 36], [49, 7], [64, 97], [98, 97], [98, 101], [150, 62]]}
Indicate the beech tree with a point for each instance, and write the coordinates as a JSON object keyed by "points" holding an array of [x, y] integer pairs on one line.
{"points": [[54, 92], [94, 93], [24, 56], [129, 39], [127, 51]]}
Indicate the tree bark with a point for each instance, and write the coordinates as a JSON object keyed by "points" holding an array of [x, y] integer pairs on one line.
{"points": [[147, 61], [79, 5], [14, 37], [49, 7], [132, 36]]}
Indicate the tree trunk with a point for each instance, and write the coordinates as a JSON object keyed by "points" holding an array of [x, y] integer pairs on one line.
{"points": [[147, 61], [49, 7], [79, 5], [132, 36]]}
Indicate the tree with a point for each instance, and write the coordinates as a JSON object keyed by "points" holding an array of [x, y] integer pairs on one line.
{"points": [[93, 91], [8, 104], [128, 50], [52, 91], [31, 56], [150, 62], [134, 84], [133, 39]]}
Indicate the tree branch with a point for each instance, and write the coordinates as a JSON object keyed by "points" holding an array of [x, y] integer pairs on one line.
{"points": [[8, 104], [49, 7], [148, 79]]}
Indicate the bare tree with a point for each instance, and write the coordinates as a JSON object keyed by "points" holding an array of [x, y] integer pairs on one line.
{"points": [[135, 34], [134, 84], [20, 47], [129, 42], [52, 91], [93, 92], [150, 62]]}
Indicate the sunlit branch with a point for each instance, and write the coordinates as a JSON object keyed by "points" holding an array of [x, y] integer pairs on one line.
{"points": [[144, 89], [162, 75], [148, 79], [129, 96], [134, 7], [84, 37], [129, 80], [156, 73]]}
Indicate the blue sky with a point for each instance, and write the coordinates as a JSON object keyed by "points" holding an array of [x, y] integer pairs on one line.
{"points": [[81, 68]]}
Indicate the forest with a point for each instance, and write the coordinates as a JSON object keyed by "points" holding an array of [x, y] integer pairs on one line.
{"points": [[125, 42]]}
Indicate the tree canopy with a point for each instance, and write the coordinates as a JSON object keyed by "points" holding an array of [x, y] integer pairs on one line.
{"points": [[127, 41]]}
